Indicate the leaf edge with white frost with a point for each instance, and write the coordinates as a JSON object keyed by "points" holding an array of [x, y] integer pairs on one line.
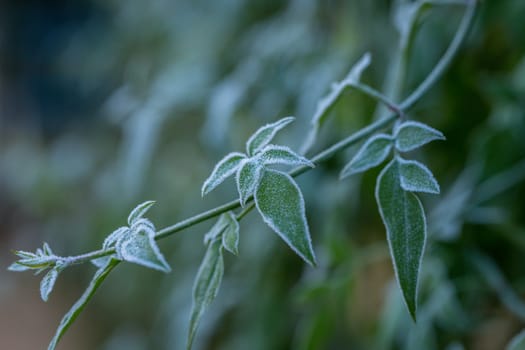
{"points": [[416, 185], [247, 186], [79, 305], [408, 145], [48, 282], [230, 236], [210, 285], [409, 295], [125, 246], [226, 167], [264, 135], [139, 211], [304, 249], [364, 154], [282, 155]]}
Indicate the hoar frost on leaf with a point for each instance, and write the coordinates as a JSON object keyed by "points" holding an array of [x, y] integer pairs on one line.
{"points": [[264, 135], [405, 222], [328, 102], [206, 286], [411, 135], [371, 154], [227, 229], [281, 205], [273, 154], [248, 176], [139, 211], [415, 177], [224, 169]]}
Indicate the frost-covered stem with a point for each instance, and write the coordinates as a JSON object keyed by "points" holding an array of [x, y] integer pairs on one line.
{"points": [[353, 139]]}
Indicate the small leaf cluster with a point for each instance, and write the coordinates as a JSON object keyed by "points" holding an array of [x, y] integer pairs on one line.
{"points": [[277, 196], [136, 243], [400, 209], [223, 235], [41, 260]]}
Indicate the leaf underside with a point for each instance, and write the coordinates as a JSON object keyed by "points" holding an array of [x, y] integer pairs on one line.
{"points": [[206, 287], [281, 205], [404, 219]]}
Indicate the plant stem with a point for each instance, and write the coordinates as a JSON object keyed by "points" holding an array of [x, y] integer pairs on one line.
{"points": [[353, 139]]}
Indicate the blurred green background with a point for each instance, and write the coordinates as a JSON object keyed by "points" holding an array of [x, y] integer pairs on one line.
{"points": [[105, 104]]}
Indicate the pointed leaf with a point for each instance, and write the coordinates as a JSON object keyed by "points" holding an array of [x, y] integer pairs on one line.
{"points": [[325, 105], [16, 267], [225, 168], [141, 248], [264, 135], [77, 308], [411, 135], [206, 287], [114, 237], [273, 154], [371, 154], [230, 236], [248, 177], [48, 282], [281, 205], [415, 177], [404, 219], [139, 211]]}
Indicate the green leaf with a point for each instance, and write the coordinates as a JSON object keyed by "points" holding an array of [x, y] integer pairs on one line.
{"points": [[77, 308], [371, 154], [264, 135], [404, 219], [325, 105], [140, 247], [227, 229], [115, 236], [230, 236], [517, 342], [248, 177], [411, 135], [225, 168], [48, 282], [139, 211], [415, 177], [281, 205], [206, 287], [273, 154]]}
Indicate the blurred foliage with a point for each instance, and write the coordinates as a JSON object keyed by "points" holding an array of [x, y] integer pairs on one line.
{"points": [[105, 104]]}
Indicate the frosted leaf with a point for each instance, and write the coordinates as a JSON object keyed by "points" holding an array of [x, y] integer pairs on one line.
{"points": [[225, 168], [415, 177], [48, 282], [140, 247], [139, 211], [79, 305], [273, 154], [411, 135], [327, 103], [404, 219], [206, 286], [281, 205], [115, 236], [264, 135], [16, 267], [230, 236], [216, 230], [248, 177], [374, 151], [46, 249]]}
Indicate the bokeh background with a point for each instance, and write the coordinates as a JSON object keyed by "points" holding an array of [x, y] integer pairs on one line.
{"points": [[105, 104]]}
